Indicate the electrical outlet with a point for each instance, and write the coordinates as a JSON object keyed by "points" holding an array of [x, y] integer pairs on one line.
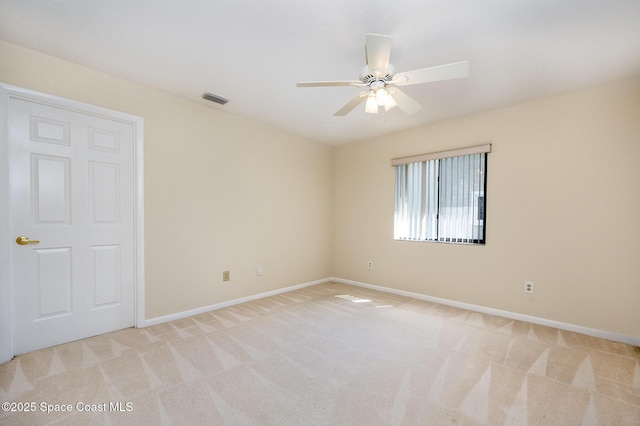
{"points": [[226, 276], [528, 287], [370, 264], [259, 271]]}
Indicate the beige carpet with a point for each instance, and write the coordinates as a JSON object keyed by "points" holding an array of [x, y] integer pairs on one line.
{"points": [[310, 358]]}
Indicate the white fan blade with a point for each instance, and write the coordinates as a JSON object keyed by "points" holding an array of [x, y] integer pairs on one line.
{"points": [[427, 75], [378, 51], [404, 102], [352, 104], [329, 83]]}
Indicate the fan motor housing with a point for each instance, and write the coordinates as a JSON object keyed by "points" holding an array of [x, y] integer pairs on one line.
{"points": [[367, 78]]}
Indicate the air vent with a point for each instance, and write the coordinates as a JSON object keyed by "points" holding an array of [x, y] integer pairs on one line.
{"points": [[214, 98]]}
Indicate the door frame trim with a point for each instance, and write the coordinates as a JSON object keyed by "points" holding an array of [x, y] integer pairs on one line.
{"points": [[8, 91]]}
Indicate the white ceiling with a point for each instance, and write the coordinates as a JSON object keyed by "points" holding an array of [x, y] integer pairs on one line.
{"points": [[253, 53]]}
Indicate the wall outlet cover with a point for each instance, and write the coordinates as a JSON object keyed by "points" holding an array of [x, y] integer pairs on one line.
{"points": [[529, 287]]}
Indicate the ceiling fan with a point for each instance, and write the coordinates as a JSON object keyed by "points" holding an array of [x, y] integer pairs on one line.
{"points": [[382, 82]]}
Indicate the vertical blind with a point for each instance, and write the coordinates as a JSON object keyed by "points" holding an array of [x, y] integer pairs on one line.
{"points": [[441, 199]]}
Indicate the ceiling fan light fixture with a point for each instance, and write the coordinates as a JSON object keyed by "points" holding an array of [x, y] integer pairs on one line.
{"points": [[380, 79], [390, 103], [382, 96], [371, 107]]}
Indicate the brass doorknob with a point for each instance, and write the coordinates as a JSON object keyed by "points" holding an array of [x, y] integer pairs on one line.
{"points": [[23, 241]]}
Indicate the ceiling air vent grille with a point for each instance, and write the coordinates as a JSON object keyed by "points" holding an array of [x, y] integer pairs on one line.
{"points": [[214, 98]]}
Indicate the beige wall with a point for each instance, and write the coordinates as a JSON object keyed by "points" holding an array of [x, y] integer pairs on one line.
{"points": [[563, 203], [221, 192], [226, 193]]}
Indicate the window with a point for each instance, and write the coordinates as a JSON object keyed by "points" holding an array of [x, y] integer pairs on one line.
{"points": [[441, 196]]}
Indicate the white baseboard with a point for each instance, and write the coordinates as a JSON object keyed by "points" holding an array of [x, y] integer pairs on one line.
{"points": [[616, 337], [196, 311], [631, 340]]}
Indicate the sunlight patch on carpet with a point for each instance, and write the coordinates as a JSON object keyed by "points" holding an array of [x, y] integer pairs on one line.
{"points": [[353, 299]]}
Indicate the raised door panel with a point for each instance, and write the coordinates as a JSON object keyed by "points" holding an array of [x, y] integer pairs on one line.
{"points": [[53, 283], [106, 275], [51, 186], [104, 188]]}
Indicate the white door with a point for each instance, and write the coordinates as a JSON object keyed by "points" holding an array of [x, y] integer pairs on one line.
{"points": [[72, 196]]}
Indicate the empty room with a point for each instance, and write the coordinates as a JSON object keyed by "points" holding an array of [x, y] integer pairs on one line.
{"points": [[320, 213]]}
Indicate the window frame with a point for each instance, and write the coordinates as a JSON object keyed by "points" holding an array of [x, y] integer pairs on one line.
{"points": [[424, 213]]}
